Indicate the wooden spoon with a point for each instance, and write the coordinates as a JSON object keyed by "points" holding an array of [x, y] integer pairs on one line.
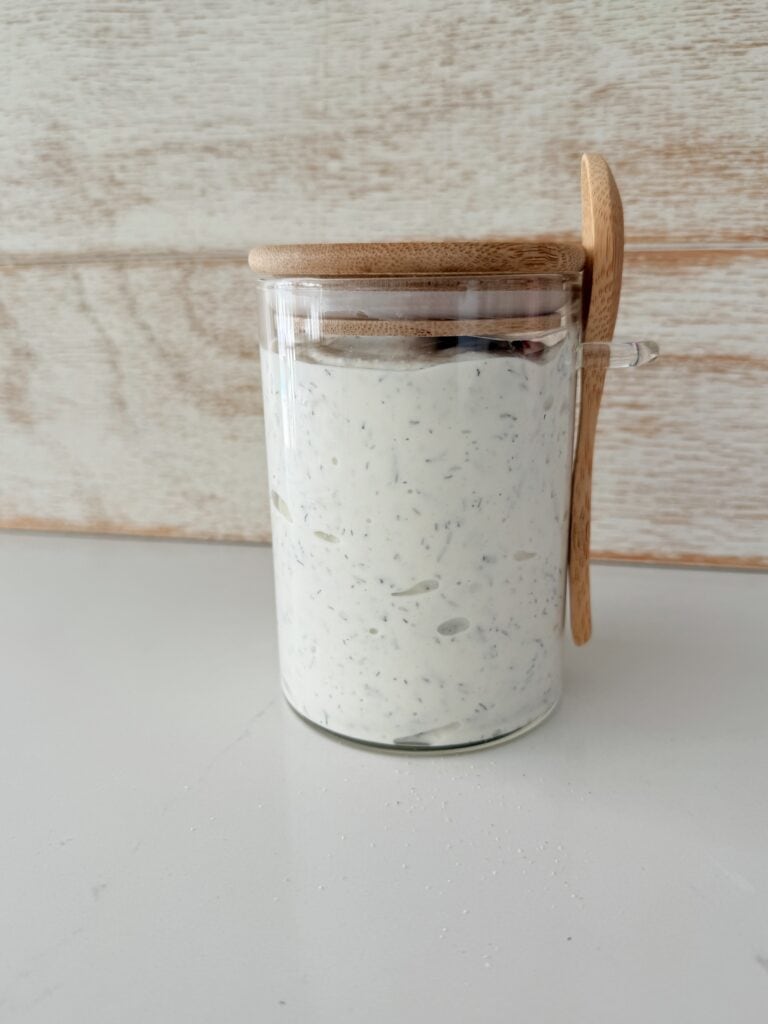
{"points": [[602, 232]]}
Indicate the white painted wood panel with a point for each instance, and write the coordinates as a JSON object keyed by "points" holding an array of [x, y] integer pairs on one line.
{"points": [[147, 145], [129, 402], [681, 464], [198, 126]]}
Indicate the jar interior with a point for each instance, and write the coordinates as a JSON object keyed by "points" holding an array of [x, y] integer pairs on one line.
{"points": [[420, 436], [416, 322]]}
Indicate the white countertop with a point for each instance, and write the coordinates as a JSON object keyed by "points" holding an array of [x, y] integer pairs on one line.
{"points": [[177, 846]]}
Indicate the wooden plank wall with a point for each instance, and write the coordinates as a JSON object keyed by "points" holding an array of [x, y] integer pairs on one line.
{"points": [[147, 145]]}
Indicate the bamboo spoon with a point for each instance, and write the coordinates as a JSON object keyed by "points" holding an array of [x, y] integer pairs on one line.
{"points": [[602, 232]]}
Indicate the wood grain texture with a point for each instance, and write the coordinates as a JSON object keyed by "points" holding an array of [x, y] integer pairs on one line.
{"points": [[449, 256], [149, 145], [602, 234], [130, 400], [435, 328], [155, 127], [681, 462], [129, 403]]}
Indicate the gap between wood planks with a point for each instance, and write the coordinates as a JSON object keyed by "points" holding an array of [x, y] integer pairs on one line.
{"points": [[684, 252]]}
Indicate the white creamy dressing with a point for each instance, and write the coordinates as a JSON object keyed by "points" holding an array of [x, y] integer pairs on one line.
{"points": [[420, 520]]}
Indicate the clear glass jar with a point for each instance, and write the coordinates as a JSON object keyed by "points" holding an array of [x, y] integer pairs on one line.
{"points": [[420, 441]]}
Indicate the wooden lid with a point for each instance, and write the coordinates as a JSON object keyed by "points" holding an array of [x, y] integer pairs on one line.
{"points": [[400, 259]]}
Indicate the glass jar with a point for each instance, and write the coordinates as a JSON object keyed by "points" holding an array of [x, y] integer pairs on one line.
{"points": [[420, 442]]}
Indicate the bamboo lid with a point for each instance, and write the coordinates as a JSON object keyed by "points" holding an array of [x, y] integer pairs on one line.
{"points": [[400, 259]]}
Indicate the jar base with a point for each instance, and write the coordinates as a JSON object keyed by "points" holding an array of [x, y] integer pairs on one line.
{"points": [[405, 748]]}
